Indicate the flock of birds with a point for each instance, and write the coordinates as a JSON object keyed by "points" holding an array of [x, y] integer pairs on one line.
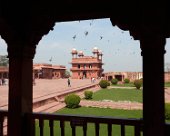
{"points": [[100, 38]]}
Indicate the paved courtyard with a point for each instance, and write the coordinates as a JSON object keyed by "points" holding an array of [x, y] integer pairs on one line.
{"points": [[45, 87]]}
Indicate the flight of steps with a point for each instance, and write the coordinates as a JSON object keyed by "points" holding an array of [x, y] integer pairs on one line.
{"points": [[50, 107]]}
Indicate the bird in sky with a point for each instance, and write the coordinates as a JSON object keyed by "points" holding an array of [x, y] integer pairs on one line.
{"points": [[50, 59], [101, 37], [74, 37], [86, 33]]}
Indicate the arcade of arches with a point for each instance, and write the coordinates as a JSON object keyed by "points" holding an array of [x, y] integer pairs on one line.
{"points": [[23, 24]]}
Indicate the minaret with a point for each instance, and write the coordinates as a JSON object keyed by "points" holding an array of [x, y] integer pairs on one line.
{"points": [[95, 52], [74, 53], [100, 54]]}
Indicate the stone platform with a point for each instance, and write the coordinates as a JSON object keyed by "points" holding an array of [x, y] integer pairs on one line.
{"points": [[48, 90]]}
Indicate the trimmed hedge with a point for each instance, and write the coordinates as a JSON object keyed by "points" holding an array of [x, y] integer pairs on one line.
{"points": [[72, 101], [88, 94], [108, 83], [114, 81], [126, 81], [138, 84], [103, 83]]}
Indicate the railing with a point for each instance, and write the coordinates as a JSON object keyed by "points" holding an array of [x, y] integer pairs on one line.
{"points": [[42, 120], [3, 116]]}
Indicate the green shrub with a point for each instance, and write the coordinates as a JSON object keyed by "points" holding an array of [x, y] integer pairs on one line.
{"points": [[72, 101], [88, 94], [141, 81], [126, 81], [114, 81], [108, 83], [103, 83], [137, 84], [167, 111]]}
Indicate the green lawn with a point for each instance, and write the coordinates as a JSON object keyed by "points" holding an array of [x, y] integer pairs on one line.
{"points": [[115, 94], [167, 84], [91, 129], [125, 85]]}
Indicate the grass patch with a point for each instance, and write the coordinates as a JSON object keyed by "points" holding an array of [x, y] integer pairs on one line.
{"points": [[125, 85], [116, 94], [167, 84], [91, 128], [102, 112]]}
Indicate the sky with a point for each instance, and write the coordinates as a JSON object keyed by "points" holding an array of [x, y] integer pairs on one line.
{"points": [[120, 51]]}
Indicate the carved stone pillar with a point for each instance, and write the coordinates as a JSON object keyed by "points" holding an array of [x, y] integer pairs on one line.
{"points": [[20, 87], [153, 84]]}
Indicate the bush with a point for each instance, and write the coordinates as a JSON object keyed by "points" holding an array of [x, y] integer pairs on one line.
{"points": [[137, 84], [103, 83], [88, 94], [108, 83], [126, 81], [114, 81], [72, 101], [167, 111]]}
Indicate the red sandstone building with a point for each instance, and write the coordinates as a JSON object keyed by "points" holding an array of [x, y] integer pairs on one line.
{"points": [[86, 66], [4, 72], [48, 71]]}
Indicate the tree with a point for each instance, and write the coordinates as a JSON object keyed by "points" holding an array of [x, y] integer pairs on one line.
{"points": [[4, 61], [67, 74], [167, 67]]}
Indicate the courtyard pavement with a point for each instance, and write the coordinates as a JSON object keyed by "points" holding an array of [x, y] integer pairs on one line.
{"points": [[45, 87]]}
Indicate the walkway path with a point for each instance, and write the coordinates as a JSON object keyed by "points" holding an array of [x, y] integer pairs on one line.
{"points": [[113, 105]]}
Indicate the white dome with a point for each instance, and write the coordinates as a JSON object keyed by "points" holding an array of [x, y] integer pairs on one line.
{"points": [[80, 52], [95, 48], [74, 51]]}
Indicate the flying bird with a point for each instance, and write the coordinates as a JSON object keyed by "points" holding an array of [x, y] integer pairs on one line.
{"points": [[101, 37], [86, 33], [50, 59], [74, 37]]}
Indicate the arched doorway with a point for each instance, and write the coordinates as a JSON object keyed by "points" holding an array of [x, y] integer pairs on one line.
{"points": [[84, 74]]}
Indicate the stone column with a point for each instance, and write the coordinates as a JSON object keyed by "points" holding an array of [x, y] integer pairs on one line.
{"points": [[20, 88], [153, 84]]}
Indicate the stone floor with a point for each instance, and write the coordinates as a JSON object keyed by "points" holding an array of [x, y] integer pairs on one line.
{"points": [[45, 87]]}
